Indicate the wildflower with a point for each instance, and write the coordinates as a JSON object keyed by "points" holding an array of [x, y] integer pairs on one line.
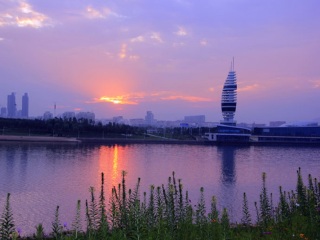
{"points": [[19, 231], [301, 235], [297, 204], [213, 220], [65, 225]]}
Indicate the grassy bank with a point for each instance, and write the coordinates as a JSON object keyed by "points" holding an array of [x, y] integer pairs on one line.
{"points": [[166, 213]]}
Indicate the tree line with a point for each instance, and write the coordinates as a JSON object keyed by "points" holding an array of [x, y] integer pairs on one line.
{"points": [[66, 127]]}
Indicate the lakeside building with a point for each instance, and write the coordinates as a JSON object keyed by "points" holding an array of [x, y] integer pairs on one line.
{"points": [[300, 124], [253, 125], [276, 123], [227, 131], [287, 134]]}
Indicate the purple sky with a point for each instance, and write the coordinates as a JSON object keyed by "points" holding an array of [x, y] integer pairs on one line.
{"points": [[172, 57]]}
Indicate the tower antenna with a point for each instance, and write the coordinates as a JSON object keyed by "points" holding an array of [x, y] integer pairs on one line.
{"points": [[233, 64], [54, 110]]}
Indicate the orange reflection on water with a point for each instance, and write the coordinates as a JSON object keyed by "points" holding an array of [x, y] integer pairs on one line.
{"points": [[115, 165], [111, 165]]}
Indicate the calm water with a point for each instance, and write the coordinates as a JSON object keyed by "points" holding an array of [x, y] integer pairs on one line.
{"points": [[42, 176]]}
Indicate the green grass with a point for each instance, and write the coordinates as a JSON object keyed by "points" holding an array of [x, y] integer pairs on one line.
{"points": [[166, 213]]}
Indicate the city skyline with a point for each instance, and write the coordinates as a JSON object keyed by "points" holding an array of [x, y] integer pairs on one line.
{"points": [[171, 57]]}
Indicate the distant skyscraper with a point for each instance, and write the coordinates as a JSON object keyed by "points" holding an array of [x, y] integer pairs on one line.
{"points": [[149, 118], [11, 105], [25, 106], [229, 98]]}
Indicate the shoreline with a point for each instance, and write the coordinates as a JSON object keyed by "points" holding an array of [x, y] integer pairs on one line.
{"points": [[11, 138], [48, 139]]}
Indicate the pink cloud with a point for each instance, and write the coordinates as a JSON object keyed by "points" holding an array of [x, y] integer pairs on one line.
{"points": [[315, 83], [187, 98]]}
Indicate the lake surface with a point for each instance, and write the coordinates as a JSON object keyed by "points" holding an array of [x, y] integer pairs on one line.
{"points": [[42, 176]]}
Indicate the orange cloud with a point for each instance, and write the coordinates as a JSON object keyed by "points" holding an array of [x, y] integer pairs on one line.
{"points": [[136, 98], [117, 100], [123, 53], [21, 14], [248, 88]]}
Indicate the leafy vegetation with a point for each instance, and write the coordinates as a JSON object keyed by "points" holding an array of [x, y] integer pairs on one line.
{"points": [[166, 213]]}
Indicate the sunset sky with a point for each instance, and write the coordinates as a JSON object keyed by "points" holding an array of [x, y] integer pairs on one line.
{"points": [[125, 57]]}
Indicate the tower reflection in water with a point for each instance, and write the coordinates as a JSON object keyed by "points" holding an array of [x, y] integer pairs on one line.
{"points": [[228, 171], [228, 179]]}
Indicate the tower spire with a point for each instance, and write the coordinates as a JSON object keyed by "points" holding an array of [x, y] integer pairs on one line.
{"points": [[232, 63]]}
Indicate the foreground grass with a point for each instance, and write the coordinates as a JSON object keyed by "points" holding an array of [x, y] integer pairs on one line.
{"points": [[166, 213]]}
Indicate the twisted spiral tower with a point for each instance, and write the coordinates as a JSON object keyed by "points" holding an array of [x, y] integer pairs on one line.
{"points": [[229, 97]]}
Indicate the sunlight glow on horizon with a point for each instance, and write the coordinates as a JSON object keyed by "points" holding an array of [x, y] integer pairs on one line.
{"points": [[116, 100], [136, 98]]}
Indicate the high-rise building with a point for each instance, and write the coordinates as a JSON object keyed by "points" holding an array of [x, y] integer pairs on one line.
{"points": [[11, 106], [25, 106], [229, 98], [149, 118]]}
